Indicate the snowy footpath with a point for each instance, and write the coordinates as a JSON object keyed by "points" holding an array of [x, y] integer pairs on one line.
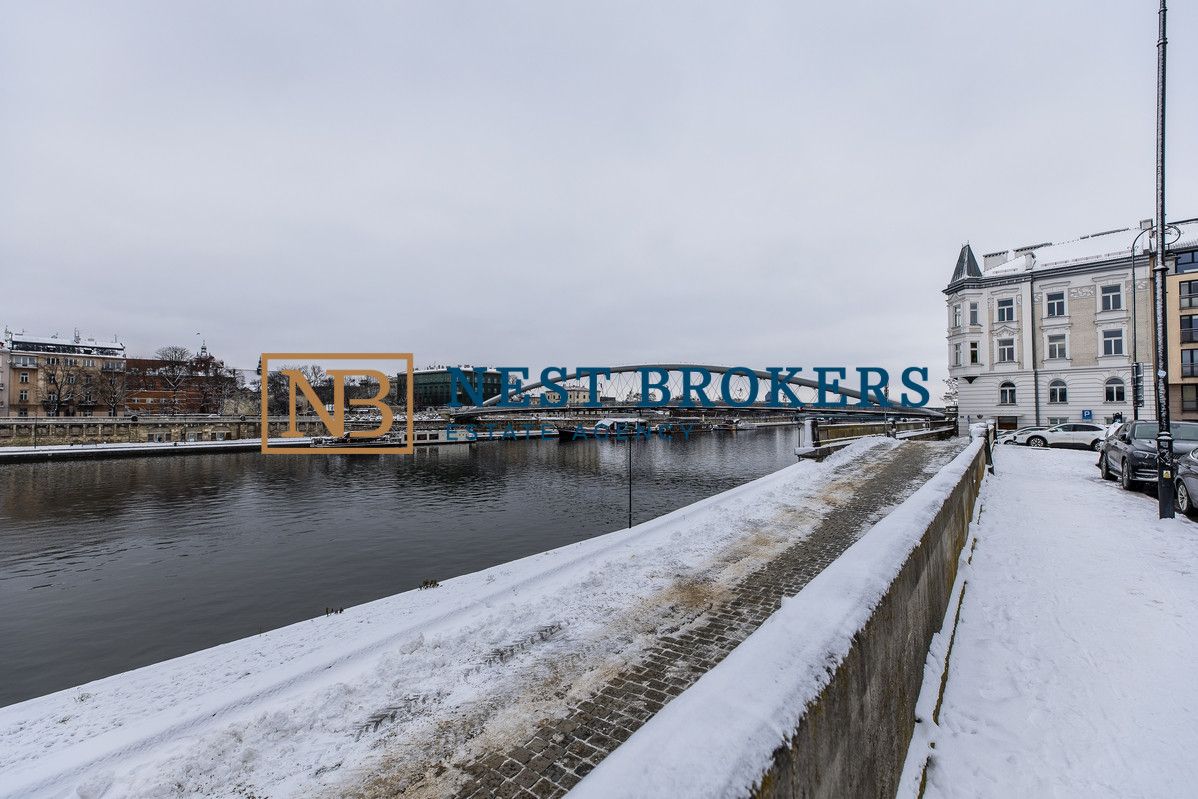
{"points": [[1071, 671], [404, 683]]}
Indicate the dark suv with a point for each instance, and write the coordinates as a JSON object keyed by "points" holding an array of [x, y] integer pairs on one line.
{"points": [[1130, 452]]}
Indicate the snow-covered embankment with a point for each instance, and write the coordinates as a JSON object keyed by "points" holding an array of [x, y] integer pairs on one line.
{"points": [[843, 658]]}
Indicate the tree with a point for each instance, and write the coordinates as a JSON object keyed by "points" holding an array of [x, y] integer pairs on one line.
{"points": [[951, 392], [175, 371], [62, 385], [111, 390]]}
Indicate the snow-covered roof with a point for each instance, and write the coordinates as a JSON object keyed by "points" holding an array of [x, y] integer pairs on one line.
{"points": [[1091, 248], [84, 346]]}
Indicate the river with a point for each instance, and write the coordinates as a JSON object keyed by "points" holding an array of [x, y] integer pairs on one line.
{"points": [[107, 565]]}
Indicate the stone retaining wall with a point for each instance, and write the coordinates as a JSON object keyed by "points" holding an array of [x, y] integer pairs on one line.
{"points": [[852, 741]]}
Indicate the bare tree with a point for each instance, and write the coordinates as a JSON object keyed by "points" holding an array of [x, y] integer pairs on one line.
{"points": [[111, 390], [951, 392], [63, 384], [175, 371]]}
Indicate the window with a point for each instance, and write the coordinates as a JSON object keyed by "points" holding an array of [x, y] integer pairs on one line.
{"points": [[1114, 390], [1112, 298], [957, 315], [1006, 350], [1056, 346], [1187, 261], [1055, 420], [24, 395], [973, 313], [1112, 342], [1189, 363], [1006, 310], [24, 377], [1006, 393], [1058, 393], [1189, 329], [1056, 303], [1188, 293], [22, 412], [974, 360], [956, 355], [71, 378], [1189, 398]]}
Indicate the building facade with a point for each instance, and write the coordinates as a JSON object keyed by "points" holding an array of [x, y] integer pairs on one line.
{"points": [[1048, 333], [181, 384], [51, 376], [431, 387], [1181, 314]]}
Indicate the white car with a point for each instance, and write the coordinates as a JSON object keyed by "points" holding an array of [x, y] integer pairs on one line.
{"points": [[1019, 436], [1072, 434]]}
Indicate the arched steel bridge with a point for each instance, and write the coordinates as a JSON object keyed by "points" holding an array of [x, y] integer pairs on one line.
{"points": [[622, 392]]}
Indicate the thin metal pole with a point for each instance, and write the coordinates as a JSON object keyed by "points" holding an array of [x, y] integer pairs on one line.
{"points": [[1135, 331], [1164, 435], [630, 482]]}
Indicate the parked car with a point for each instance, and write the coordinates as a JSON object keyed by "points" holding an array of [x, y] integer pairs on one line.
{"points": [[1019, 436], [1072, 434], [1187, 482], [1130, 454]]}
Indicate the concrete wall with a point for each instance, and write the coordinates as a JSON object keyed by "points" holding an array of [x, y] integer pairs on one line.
{"points": [[106, 430], [852, 741]]}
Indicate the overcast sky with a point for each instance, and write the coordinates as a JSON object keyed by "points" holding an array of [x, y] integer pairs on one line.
{"points": [[560, 182]]}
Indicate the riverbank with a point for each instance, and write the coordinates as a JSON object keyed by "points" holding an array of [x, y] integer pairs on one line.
{"points": [[369, 700], [144, 449]]}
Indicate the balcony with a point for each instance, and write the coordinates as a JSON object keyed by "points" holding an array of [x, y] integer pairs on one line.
{"points": [[1188, 299]]}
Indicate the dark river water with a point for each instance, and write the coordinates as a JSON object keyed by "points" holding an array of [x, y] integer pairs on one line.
{"points": [[108, 565]]}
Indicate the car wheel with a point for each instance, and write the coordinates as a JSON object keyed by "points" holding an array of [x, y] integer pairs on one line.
{"points": [[1107, 474], [1037, 441], [1182, 499], [1125, 478], [1096, 444]]}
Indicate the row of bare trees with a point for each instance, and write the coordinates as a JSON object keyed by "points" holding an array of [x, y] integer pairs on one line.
{"points": [[70, 386], [278, 388]]}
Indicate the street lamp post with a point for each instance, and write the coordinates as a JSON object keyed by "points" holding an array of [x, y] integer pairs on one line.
{"points": [[1145, 226], [1164, 435]]}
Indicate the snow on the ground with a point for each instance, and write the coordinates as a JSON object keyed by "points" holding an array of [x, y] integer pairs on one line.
{"points": [[325, 701], [1072, 668], [719, 736]]}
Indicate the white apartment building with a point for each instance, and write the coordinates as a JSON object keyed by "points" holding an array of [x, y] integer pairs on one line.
{"points": [[1048, 333]]}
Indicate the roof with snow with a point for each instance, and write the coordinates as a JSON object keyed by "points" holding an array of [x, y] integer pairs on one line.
{"points": [[1106, 245]]}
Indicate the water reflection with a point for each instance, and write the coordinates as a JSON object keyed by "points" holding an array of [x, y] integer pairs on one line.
{"points": [[109, 565]]}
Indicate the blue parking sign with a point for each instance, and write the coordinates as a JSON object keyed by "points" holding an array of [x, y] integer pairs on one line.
{"points": [[1087, 415]]}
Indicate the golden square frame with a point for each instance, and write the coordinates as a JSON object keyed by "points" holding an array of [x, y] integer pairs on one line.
{"points": [[409, 411]]}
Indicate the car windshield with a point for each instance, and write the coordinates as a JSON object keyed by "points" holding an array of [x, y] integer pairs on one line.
{"points": [[1182, 431]]}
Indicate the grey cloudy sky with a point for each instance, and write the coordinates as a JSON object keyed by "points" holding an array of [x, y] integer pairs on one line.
{"points": [[530, 183]]}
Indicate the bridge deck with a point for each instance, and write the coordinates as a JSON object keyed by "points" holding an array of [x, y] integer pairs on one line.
{"points": [[587, 711]]}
